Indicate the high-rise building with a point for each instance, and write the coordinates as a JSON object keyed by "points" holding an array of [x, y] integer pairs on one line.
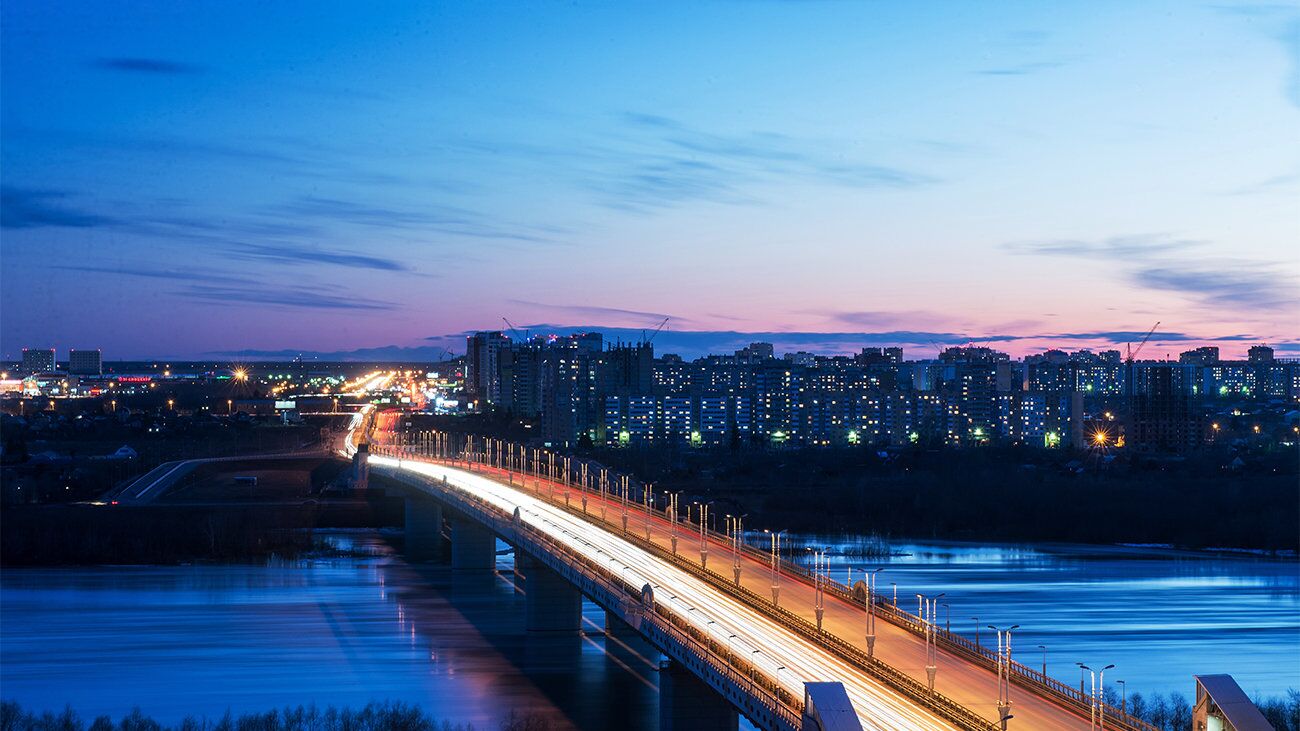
{"points": [[481, 367], [1163, 415], [1259, 354], [1205, 355], [85, 363], [38, 360]]}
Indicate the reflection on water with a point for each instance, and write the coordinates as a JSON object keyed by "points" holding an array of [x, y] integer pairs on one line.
{"points": [[1160, 616], [344, 631], [203, 639]]}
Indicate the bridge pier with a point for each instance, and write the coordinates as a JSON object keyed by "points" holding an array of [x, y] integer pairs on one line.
{"points": [[423, 530], [473, 548], [551, 603], [687, 703]]}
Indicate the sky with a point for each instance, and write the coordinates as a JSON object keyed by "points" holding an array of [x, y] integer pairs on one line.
{"points": [[207, 180]]}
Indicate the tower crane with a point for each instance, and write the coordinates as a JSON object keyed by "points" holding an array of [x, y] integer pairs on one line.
{"points": [[657, 330]]}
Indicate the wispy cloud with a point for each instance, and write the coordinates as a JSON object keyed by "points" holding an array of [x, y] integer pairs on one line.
{"points": [[1119, 248], [694, 343], [425, 218], [147, 66], [1227, 283], [595, 311], [27, 208], [290, 254], [666, 161], [1022, 69], [187, 275], [293, 297], [1220, 283]]}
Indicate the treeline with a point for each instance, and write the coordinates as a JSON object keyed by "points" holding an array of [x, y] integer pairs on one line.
{"points": [[1174, 713], [987, 494], [386, 716]]}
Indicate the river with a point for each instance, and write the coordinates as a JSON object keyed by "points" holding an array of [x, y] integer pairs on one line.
{"points": [[198, 640]]}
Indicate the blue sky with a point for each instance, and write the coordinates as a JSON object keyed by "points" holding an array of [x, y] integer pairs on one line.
{"points": [[189, 180]]}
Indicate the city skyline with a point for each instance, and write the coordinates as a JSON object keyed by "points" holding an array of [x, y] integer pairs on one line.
{"points": [[252, 182]]}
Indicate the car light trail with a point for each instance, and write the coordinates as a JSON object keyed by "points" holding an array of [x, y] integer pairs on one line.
{"points": [[775, 651]]}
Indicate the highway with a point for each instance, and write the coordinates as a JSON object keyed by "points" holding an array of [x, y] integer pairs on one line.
{"points": [[776, 651]]}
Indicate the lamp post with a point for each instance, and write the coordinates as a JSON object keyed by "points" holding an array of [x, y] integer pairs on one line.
{"points": [[819, 591], [647, 493], [976, 620], [870, 582], [735, 524], [1044, 649], [1083, 679], [703, 512], [1123, 698], [895, 585], [622, 483], [1098, 686], [1004, 672], [947, 619], [926, 615], [776, 565], [672, 518]]}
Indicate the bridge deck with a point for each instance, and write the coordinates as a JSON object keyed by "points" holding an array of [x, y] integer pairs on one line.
{"points": [[972, 685]]}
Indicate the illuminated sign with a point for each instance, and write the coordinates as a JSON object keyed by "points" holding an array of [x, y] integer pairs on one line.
{"points": [[134, 379], [286, 405]]}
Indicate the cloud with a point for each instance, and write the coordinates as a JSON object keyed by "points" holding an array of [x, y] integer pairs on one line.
{"points": [[594, 311], [296, 297], [443, 219], [1023, 69], [1237, 284], [1120, 248], [147, 66], [668, 162], [695, 343], [26, 208], [381, 354], [289, 254], [1230, 284], [173, 275]]}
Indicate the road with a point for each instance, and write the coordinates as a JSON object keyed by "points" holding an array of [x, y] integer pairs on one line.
{"points": [[778, 652]]}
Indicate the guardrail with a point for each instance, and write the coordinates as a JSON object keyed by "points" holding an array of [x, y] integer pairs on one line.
{"points": [[909, 687], [1020, 674], [673, 635]]}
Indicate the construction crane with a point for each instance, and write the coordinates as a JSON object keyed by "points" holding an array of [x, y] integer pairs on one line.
{"points": [[658, 328], [514, 329], [1133, 353]]}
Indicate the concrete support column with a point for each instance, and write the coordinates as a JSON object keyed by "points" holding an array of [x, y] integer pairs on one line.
{"points": [[473, 547], [687, 703], [423, 529], [551, 603]]}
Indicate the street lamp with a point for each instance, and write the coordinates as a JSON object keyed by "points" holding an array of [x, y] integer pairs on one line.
{"points": [[977, 632], [672, 517], [870, 582], [1098, 708], [819, 591], [776, 565], [926, 614], [1004, 672], [1044, 649], [703, 513], [1123, 698], [735, 524]]}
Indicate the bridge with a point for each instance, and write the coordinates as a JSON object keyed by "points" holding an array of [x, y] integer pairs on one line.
{"points": [[744, 630]]}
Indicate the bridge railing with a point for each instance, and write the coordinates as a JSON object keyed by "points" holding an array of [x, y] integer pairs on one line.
{"points": [[599, 583], [1020, 674], [911, 688]]}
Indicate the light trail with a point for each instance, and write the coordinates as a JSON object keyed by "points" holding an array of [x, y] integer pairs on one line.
{"points": [[776, 652]]}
